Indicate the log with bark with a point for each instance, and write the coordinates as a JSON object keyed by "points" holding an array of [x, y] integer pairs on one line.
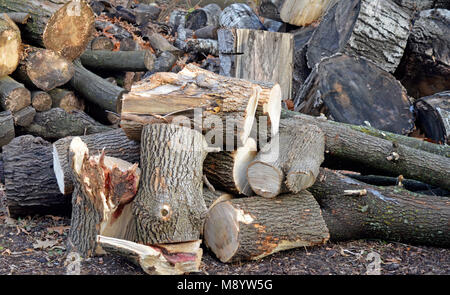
{"points": [[129, 61], [376, 30], [10, 46], [102, 43], [145, 13], [24, 117], [7, 132], [30, 183], [213, 196], [301, 70], [386, 213], [354, 90], [252, 228], [19, 18], [41, 101], [415, 6], [66, 100], [114, 143], [240, 16], [13, 95], [101, 201], [208, 15]]}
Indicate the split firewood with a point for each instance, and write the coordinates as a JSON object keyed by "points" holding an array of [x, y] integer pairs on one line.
{"points": [[102, 43], [252, 228], [30, 183], [169, 205], [342, 88], [214, 197], [24, 117], [206, 16], [167, 259], [7, 132], [114, 143], [19, 18], [386, 213], [10, 46], [101, 201], [129, 61], [66, 100], [240, 16], [13, 95], [57, 123], [425, 68], [41, 101], [290, 162], [376, 30], [96, 89], [227, 170]]}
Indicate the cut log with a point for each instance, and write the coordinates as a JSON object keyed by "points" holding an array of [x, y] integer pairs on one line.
{"points": [[96, 89], [169, 259], [239, 47], [13, 95], [57, 123], [41, 101], [214, 197], [102, 43], [114, 143], [240, 16], [7, 132], [205, 46], [24, 117], [177, 18], [208, 32], [127, 61], [386, 213], [163, 63], [30, 183], [19, 18], [290, 162], [252, 228], [202, 17], [354, 90], [10, 46], [353, 150], [433, 116], [144, 13], [376, 30], [101, 201], [66, 100], [228, 170], [169, 205], [160, 44], [425, 67]]}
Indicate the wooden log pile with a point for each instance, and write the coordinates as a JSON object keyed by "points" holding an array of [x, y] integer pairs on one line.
{"points": [[165, 133]]}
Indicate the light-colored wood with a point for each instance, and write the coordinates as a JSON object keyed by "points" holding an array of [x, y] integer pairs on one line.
{"points": [[10, 45], [41, 101], [66, 100]]}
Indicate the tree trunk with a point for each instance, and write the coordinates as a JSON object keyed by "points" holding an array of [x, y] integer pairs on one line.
{"points": [[240, 16], [169, 206], [289, 163], [387, 213], [41, 101], [66, 100], [101, 201], [7, 132], [129, 61], [376, 30], [114, 143], [24, 117], [252, 228], [354, 90], [10, 42], [30, 183], [13, 95]]}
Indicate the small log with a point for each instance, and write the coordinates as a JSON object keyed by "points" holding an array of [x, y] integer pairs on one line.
{"points": [[228, 170], [144, 13], [163, 63], [7, 132], [252, 228], [386, 213], [57, 123], [159, 43], [116, 30], [101, 201], [169, 205], [292, 159], [102, 43], [66, 100], [240, 16], [205, 46], [214, 197], [376, 30], [24, 117], [13, 95], [202, 17], [114, 143], [208, 32], [19, 18], [30, 183], [168, 259], [10, 46], [96, 89], [342, 88], [129, 61], [41, 101]]}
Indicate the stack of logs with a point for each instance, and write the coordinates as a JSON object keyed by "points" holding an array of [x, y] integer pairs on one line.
{"points": [[158, 138]]}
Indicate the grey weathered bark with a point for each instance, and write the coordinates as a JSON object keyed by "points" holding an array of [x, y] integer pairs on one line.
{"points": [[252, 228], [24, 117], [13, 95], [41, 101], [66, 100], [240, 16], [214, 197], [169, 205], [130, 61], [208, 15], [301, 70], [7, 132], [19, 18], [10, 46]]}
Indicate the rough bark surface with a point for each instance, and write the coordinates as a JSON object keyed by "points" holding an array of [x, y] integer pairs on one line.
{"points": [[7, 132], [13, 95], [130, 61]]}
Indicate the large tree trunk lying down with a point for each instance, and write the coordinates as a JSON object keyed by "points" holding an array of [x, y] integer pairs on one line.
{"points": [[296, 12], [10, 42], [353, 210], [290, 162], [101, 201], [169, 206], [66, 100], [353, 150], [240, 16], [425, 68], [30, 182], [354, 90], [13, 95], [376, 30], [57, 123], [433, 116], [96, 89], [168, 259], [7, 132], [114, 143], [130, 61], [213, 197], [252, 228], [228, 170]]}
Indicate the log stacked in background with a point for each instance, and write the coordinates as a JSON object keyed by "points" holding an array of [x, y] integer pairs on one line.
{"points": [[132, 61], [7, 132], [13, 95], [10, 42]]}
